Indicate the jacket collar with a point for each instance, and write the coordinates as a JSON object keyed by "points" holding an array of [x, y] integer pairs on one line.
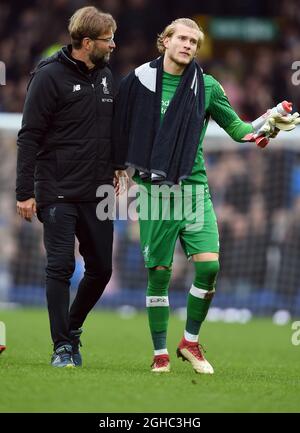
{"points": [[66, 56]]}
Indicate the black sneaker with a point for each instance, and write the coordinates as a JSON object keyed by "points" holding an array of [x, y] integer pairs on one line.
{"points": [[75, 341], [62, 357]]}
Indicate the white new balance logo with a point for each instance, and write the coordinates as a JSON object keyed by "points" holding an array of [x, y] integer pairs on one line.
{"points": [[76, 87]]}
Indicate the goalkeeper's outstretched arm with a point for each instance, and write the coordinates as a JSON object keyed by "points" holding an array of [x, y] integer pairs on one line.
{"points": [[239, 129], [260, 130], [222, 112]]}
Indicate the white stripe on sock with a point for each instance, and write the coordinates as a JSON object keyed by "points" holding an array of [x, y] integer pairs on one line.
{"points": [[157, 301], [190, 337], [161, 352], [201, 293]]}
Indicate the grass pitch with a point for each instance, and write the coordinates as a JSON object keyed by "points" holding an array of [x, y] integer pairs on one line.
{"points": [[257, 368]]}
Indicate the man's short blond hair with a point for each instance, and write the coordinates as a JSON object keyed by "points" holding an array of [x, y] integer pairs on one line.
{"points": [[89, 22], [170, 29]]}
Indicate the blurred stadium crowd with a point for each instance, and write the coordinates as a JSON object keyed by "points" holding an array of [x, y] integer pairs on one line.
{"points": [[256, 195], [254, 75]]}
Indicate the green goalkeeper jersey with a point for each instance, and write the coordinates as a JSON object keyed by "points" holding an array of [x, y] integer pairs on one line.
{"points": [[217, 107]]}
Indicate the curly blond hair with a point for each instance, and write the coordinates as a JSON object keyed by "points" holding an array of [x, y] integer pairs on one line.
{"points": [[170, 29]]}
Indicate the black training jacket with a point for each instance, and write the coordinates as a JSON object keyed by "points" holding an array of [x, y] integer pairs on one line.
{"points": [[64, 145]]}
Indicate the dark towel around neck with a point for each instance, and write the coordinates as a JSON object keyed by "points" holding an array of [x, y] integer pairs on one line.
{"points": [[142, 140]]}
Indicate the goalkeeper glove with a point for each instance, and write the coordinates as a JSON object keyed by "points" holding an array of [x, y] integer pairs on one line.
{"points": [[286, 123], [263, 134], [271, 123]]}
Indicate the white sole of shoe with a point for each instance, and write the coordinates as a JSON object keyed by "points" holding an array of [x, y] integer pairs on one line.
{"points": [[161, 370], [201, 367]]}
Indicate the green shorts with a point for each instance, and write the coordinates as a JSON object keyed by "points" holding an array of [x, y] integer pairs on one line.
{"points": [[165, 218]]}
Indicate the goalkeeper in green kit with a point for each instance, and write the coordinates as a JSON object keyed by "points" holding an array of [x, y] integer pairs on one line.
{"points": [[161, 116]]}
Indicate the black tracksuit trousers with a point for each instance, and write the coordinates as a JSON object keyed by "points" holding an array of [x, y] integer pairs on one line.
{"points": [[62, 222]]}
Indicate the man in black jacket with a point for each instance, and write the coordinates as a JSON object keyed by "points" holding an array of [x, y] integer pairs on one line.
{"points": [[64, 149]]}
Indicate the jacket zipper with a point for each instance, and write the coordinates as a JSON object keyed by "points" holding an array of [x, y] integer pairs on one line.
{"points": [[97, 128]]}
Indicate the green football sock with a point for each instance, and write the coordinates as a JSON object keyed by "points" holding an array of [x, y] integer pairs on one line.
{"points": [[158, 307], [200, 297]]}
